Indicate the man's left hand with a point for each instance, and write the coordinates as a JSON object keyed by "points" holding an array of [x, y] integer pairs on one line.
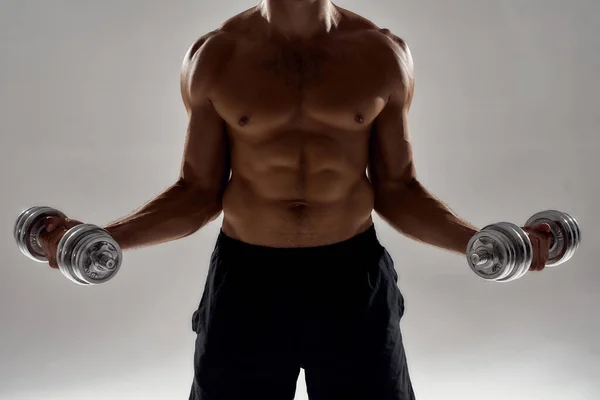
{"points": [[540, 241]]}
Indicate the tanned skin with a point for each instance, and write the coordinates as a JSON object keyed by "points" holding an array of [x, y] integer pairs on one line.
{"points": [[298, 100]]}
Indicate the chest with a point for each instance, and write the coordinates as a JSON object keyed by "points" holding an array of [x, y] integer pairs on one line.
{"points": [[341, 85]]}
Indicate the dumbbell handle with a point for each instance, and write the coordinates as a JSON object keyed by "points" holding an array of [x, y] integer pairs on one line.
{"points": [[481, 257]]}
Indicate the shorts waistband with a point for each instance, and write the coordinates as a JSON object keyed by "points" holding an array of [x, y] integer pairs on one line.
{"points": [[360, 242]]}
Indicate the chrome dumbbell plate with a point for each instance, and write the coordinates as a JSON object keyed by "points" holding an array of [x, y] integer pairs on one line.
{"points": [[500, 252], [565, 231], [520, 250], [88, 255], [28, 227]]}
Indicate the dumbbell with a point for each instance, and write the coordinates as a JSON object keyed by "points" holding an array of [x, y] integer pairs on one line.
{"points": [[86, 254], [502, 252]]}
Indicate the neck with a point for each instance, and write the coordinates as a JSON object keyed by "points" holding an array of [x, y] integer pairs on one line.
{"points": [[300, 18]]}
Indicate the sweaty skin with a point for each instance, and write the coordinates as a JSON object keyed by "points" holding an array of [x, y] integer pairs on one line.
{"points": [[298, 138]]}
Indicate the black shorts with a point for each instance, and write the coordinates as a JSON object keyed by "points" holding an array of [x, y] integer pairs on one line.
{"points": [[332, 310]]}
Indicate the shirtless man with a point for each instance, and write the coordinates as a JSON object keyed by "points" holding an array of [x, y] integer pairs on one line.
{"points": [[290, 104]]}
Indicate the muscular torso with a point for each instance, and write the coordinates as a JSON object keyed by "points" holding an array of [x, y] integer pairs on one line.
{"points": [[298, 118]]}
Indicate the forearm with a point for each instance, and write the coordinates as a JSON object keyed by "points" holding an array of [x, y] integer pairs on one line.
{"points": [[176, 213], [415, 212]]}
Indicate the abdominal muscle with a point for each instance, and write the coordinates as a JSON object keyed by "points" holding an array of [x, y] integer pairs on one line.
{"points": [[259, 210]]}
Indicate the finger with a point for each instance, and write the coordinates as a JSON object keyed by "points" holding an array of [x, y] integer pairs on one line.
{"points": [[43, 238], [532, 240], [70, 223], [51, 223], [545, 260], [546, 252], [544, 228], [541, 261], [49, 243], [50, 257], [53, 263], [535, 244], [545, 243], [541, 250], [541, 229], [47, 237]]}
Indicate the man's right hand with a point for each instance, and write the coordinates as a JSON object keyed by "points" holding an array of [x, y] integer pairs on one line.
{"points": [[56, 227]]}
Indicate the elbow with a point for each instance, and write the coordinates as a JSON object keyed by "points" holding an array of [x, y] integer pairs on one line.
{"points": [[395, 199], [209, 206], [394, 188], [197, 220], [205, 204], [202, 193], [216, 212]]}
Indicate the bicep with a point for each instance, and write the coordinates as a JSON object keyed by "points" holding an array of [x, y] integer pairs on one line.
{"points": [[391, 160], [205, 162]]}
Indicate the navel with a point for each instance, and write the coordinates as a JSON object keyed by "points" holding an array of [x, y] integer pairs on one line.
{"points": [[299, 210], [243, 120], [298, 204], [358, 118]]}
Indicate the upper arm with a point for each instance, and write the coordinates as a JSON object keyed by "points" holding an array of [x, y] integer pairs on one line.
{"points": [[205, 163], [391, 161]]}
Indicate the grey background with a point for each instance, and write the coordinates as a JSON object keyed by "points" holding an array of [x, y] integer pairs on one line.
{"points": [[504, 122]]}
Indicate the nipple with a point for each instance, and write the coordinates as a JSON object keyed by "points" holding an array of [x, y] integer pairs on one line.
{"points": [[359, 118], [244, 120]]}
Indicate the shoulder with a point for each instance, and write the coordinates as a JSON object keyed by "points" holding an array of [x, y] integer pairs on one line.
{"points": [[397, 51], [208, 49], [394, 41], [206, 56], [201, 64], [393, 58], [396, 62], [213, 47]]}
